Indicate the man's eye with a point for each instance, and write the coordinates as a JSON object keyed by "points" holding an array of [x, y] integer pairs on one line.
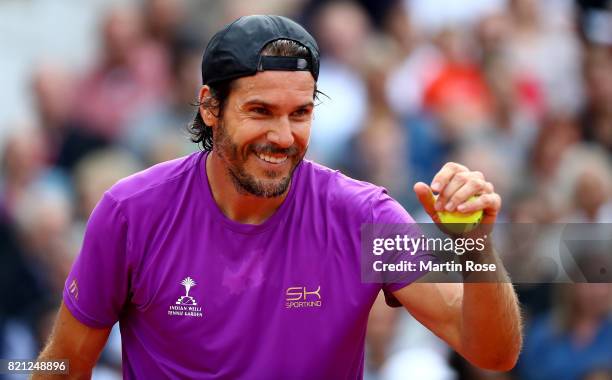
{"points": [[301, 113], [261, 111]]}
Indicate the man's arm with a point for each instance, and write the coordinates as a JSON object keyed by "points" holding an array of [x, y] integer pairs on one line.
{"points": [[480, 318], [481, 321], [78, 343]]}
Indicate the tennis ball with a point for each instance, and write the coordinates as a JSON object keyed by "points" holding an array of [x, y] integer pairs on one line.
{"points": [[458, 222]]}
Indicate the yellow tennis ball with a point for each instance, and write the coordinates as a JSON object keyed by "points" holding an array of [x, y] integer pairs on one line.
{"points": [[458, 222]]}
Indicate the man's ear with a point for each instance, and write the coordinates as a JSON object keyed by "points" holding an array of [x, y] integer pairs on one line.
{"points": [[207, 112]]}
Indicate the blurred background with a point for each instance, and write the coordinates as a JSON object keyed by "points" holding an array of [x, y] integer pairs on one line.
{"points": [[521, 90]]}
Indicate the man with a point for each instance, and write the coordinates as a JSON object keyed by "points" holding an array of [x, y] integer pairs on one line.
{"points": [[242, 261]]}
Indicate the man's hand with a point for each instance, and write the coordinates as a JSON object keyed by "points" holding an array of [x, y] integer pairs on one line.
{"points": [[455, 184]]}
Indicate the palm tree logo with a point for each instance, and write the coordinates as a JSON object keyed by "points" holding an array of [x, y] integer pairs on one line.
{"points": [[188, 283]]}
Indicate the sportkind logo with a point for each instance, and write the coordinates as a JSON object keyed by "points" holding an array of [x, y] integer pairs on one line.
{"points": [[186, 306], [299, 296]]}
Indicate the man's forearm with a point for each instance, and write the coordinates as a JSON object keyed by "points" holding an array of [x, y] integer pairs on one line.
{"points": [[491, 322], [76, 370], [81, 345]]}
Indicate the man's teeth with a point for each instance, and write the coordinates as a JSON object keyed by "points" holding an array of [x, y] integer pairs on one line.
{"points": [[273, 160]]}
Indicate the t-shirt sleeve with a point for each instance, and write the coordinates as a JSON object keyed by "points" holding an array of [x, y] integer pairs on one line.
{"points": [[96, 289], [387, 211]]}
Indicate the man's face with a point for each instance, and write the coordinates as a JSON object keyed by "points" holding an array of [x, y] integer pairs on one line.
{"points": [[264, 132]]}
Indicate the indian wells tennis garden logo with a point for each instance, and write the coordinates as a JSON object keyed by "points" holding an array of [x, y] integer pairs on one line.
{"points": [[188, 283], [186, 306]]}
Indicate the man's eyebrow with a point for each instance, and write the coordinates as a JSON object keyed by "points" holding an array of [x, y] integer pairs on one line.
{"points": [[259, 102], [306, 105]]}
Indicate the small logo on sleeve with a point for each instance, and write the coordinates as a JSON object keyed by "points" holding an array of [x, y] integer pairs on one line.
{"points": [[301, 296], [74, 289], [186, 305]]}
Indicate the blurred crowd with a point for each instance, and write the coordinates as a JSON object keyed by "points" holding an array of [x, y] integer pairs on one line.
{"points": [[520, 90]]}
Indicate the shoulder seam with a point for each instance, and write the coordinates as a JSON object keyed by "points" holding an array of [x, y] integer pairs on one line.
{"points": [[125, 220], [157, 184], [377, 196]]}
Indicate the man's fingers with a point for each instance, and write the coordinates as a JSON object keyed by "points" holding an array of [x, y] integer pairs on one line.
{"points": [[490, 203], [464, 193], [445, 175], [426, 198], [457, 182]]}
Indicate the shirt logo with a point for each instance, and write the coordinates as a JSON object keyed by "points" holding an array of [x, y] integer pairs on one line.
{"points": [[300, 297], [188, 283], [186, 306], [74, 289]]}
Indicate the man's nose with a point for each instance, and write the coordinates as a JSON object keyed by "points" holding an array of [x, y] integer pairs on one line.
{"points": [[281, 133]]}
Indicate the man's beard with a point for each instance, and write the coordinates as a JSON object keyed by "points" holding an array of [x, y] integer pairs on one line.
{"points": [[244, 182]]}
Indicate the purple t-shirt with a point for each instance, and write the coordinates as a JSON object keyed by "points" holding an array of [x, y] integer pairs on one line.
{"points": [[198, 295]]}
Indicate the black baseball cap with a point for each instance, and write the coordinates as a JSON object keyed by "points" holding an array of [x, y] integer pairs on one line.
{"points": [[235, 50]]}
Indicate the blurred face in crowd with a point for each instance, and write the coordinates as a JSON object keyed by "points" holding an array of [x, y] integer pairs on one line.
{"points": [[591, 191], [188, 77], [343, 40], [122, 32], [264, 130], [598, 65], [24, 155], [53, 92], [163, 16], [525, 11]]}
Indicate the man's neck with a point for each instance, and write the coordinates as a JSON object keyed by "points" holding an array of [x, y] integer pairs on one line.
{"points": [[238, 206]]}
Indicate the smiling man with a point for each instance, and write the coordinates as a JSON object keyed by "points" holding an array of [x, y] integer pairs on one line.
{"points": [[243, 261]]}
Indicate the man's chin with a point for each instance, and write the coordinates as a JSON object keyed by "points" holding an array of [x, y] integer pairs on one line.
{"points": [[267, 188]]}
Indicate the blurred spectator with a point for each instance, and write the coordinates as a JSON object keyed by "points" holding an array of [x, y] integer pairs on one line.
{"points": [[20, 291], [584, 180], [53, 92], [597, 115], [66, 144], [555, 137], [572, 341], [511, 90], [43, 221], [535, 42], [378, 155], [343, 111], [43, 217], [24, 164], [132, 74], [163, 19], [31, 226], [377, 152], [420, 63], [458, 95], [159, 132]]}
